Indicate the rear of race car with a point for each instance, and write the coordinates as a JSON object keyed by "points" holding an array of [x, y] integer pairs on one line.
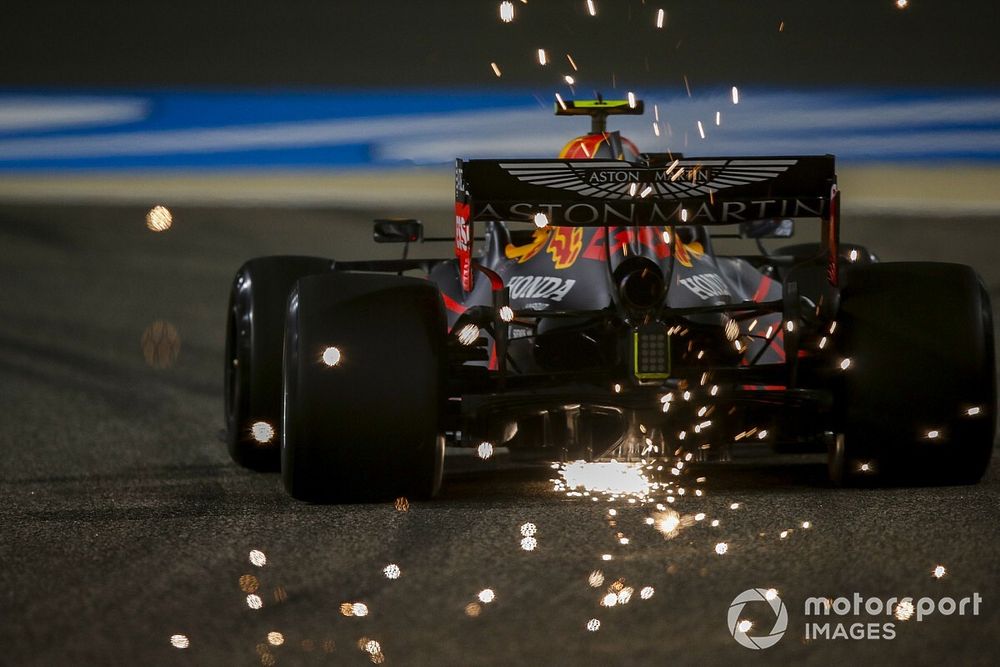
{"points": [[660, 345]]}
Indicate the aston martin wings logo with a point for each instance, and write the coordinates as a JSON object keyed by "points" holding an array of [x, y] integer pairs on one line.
{"points": [[683, 179]]}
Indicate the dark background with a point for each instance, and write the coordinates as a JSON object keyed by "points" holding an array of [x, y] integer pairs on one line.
{"points": [[452, 42]]}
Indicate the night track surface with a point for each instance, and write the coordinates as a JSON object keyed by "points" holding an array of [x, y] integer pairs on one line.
{"points": [[124, 522]]}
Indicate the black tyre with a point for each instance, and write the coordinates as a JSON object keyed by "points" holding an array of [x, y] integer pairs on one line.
{"points": [[917, 402], [254, 330], [368, 427]]}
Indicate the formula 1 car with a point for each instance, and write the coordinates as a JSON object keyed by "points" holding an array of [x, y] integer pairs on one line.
{"points": [[596, 321]]}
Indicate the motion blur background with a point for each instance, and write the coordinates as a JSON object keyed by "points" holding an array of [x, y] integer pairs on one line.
{"points": [[96, 100]]}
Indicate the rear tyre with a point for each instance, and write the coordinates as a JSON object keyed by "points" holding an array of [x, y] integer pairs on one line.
{"points": [[917, 402], [255, 324], [368, 427]]}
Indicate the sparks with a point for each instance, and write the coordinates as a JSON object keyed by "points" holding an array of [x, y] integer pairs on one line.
{"points": [[596, 579], [159, 219], [606, 477], [631, 99], [332, 356], [904, 610], [542, 58], [593, 625], [718, 118], [902, 4], [468, 334], [701, 130], [939, 571], [254, 601], [559, 99], [646, 592], [486, 595], [506, 11], [591, 8], [541, 220], [275, 638], [529, 543], [506, 313], [391, 571], [721, 548], [179, 641], [845, 364], [667, 522], [660, 15], [262, 432], [744, 626], [569, 80], [496, 69], [736, 95], [258, 558]]}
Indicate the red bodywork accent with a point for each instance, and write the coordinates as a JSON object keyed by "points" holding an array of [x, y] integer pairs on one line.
{"points": [[831, 230], [452, 305], [463, 244], [651, 237], [762, 289]]}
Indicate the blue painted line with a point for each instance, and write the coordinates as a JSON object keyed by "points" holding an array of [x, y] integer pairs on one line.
{"points": [[44, 130]]}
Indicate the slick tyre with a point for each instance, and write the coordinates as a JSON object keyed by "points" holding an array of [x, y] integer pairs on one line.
{"points": [[367, 427], [255, 325], [917, 401]]}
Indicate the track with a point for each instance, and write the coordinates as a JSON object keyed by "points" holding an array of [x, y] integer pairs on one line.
{"points": [[124, 523]]}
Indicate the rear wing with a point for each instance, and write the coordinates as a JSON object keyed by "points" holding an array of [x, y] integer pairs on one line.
{"points": [[659, 190]]}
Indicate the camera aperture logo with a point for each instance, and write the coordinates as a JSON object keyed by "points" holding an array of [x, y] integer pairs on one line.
{"points": [[739, 628]]}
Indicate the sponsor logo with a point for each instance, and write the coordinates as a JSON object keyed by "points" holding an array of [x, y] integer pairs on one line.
{"points": [[684, 179], [686, 251], [539, 287], [740, 628], [706, 285], [522, 253], [652, 212], [564, 246]]}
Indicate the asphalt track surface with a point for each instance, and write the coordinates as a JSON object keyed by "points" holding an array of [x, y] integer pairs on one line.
{"points": [[123, 522]]}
